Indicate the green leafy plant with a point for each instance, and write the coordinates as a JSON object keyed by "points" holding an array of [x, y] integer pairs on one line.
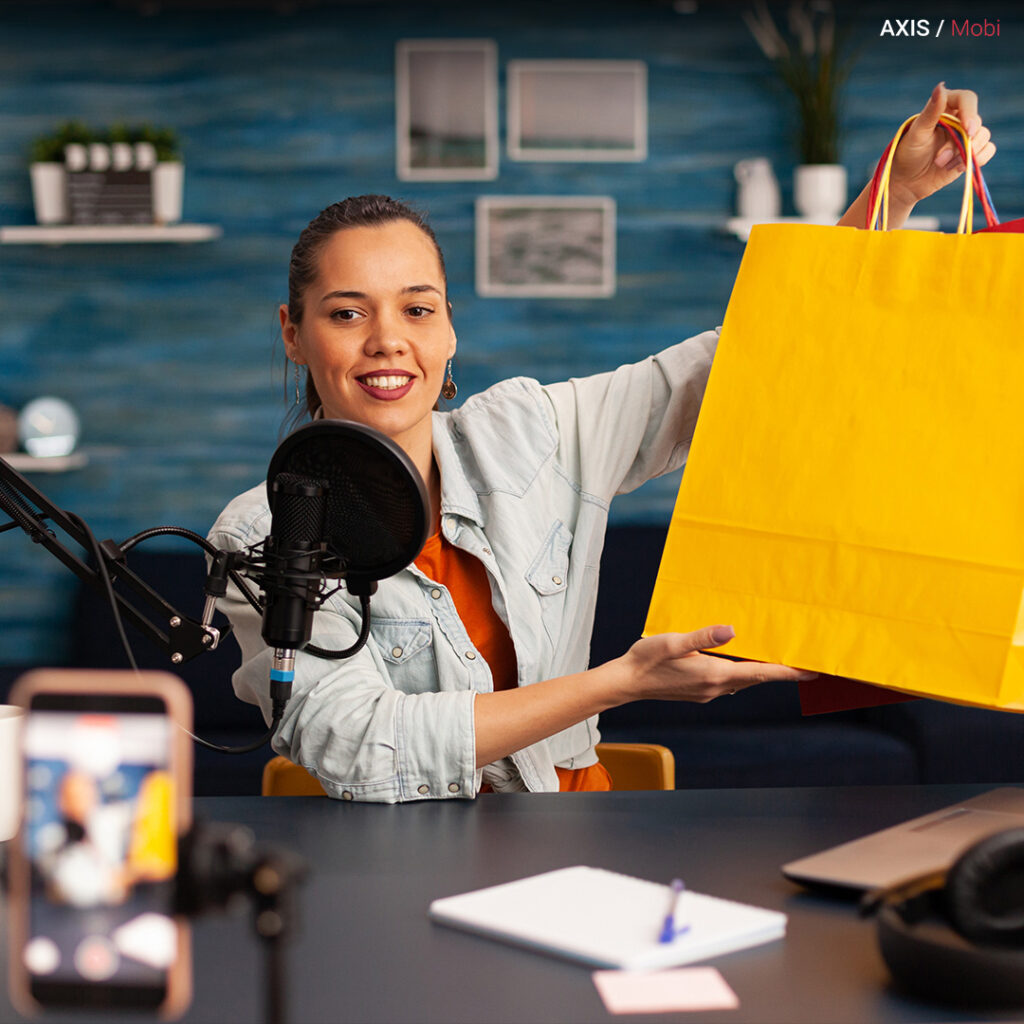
{"points": [[119, 132], [809, 65], [50, 148], [164, 141]]}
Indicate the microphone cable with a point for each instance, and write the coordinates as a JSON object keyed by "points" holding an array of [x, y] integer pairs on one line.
{"points": [[237, 578], [202, 542]]}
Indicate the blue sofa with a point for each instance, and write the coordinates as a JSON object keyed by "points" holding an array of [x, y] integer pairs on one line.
{"points": [[757, 737]]}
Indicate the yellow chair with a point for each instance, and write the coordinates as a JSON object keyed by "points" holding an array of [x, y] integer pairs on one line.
{"points": [[632, 766], [283, 778], [638, 765]]}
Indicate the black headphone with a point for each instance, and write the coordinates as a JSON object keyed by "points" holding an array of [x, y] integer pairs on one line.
{"points": [[958, 936]]}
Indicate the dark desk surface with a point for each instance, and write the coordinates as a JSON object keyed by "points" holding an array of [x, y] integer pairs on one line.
{"points": [[367, 952]]}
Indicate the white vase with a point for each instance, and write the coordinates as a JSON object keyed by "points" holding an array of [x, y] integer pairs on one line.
{"points": [[168, 186], [49, 192], [819, 191], [757, 193]]}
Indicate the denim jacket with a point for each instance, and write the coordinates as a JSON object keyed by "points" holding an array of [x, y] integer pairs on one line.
{"points": [[527, 475]]}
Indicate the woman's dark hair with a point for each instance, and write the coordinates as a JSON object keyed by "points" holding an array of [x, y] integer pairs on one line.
{"points": [[356, 212]]}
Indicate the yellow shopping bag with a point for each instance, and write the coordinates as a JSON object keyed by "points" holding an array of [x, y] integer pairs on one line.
{"points": [[854, 498]]}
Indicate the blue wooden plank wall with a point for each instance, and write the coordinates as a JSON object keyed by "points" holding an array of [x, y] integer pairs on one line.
{"points": [[170, 353]]}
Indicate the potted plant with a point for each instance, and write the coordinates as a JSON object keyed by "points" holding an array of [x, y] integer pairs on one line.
{"points": [[168, 171], [809, 65], [48, 171], [122, 148], [73, 147]]}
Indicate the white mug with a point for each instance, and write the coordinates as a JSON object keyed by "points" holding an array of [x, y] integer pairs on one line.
{"points": [[11, 721]]}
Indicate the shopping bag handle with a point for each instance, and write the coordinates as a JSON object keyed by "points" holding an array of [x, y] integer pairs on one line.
{"points": [[878, 196]]}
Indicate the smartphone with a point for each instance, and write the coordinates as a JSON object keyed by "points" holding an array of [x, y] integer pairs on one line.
{"points": [[107, 788]]}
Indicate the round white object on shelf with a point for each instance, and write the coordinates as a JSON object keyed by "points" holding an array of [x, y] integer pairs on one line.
{"points": [[76, 156], [99, 156], [122, 156], [48, 426], [145, 156]]}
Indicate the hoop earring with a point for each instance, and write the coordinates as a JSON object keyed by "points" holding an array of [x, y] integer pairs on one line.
{"points": [[298, 398], [449, 389]]}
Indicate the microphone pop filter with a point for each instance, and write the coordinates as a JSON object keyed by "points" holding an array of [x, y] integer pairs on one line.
{"points": [[377, 517]]}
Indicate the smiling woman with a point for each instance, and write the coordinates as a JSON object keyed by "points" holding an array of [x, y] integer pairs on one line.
{"points": [[373, 325], [476, 676]]}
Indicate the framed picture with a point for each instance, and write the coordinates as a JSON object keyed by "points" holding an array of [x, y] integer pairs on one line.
{"points": [[577, 110], [545, 246], [446, 109]]}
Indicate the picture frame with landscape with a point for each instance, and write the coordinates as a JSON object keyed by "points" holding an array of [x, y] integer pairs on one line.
{"points": [[545, 246], [446, 109], [579, 110]]}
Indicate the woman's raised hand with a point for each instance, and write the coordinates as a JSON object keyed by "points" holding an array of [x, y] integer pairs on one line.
{"points": [[672, 666], [926, 157]]}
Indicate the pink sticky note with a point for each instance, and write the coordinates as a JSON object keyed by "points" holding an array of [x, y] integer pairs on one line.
{"points": [[685, 988]]}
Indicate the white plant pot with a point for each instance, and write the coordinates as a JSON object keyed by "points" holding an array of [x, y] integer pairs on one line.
{"points": [[49, 192], [76, 157], [99, 156], [145, 156], [168, 187], [819, 191], [122, 156]]}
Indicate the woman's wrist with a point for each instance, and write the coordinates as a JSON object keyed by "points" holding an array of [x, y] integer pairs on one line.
{"points": [[625, 679], [901, 203], [509, 720]]}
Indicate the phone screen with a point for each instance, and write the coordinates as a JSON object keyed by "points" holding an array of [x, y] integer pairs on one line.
{"points": [[100, 842]]}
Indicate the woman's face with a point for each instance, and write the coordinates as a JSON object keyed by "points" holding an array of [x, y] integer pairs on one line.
{"points": [[375, 330]]}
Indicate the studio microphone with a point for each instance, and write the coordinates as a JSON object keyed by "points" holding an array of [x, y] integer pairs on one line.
{"points": [[347, 504], [291, 577], [293, 551], [348, 508]]}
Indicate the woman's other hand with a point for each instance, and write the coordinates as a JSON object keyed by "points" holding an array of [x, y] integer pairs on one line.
{"points": [[667, 666], [672, 666], [927, 158]]}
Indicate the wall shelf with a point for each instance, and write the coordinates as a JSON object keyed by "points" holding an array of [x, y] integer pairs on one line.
{"points": [[740, 226], [65, 234], [24, 463]]}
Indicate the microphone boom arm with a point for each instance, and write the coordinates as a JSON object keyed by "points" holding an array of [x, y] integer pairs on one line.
{"points": [[182, 637]]}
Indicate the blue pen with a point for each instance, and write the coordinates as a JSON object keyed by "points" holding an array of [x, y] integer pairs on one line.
{"points": [[669, 929]]}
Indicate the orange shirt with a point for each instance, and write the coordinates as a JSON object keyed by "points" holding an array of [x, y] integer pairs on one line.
{"points": [[467, 582]]}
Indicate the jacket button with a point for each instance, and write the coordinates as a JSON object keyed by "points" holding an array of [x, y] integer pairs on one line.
{"points": [[435, 593], [470, 656], [346, 795], [423, 790], [453, 787], [396, 652], [557, 580]]}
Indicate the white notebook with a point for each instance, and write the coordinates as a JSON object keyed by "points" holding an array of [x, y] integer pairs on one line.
{"points": [[607, 919]]}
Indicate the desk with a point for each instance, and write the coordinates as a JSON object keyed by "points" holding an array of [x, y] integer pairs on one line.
{"points": [[367, 952]]}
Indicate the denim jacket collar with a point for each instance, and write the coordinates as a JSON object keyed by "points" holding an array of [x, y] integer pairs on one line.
{"points": [[458, 496]]}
